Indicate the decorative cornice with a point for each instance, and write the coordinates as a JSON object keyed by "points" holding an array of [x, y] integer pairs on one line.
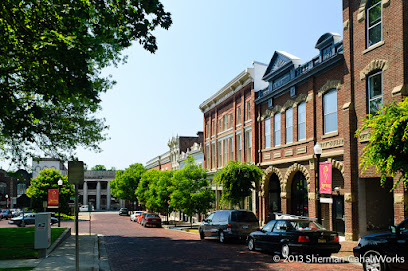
{"points": [[330, 84], [376, 64], [236, 84]]}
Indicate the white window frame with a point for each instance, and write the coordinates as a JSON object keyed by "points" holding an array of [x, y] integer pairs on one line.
{"points": [[331, 112], [369, 98], [289, 125], [300, 122], [368, 27], [277, 129], [267, 132]]}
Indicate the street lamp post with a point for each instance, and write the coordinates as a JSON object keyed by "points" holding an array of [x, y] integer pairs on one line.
{"points": [[59, 204], [318, 151], [7, 204]]}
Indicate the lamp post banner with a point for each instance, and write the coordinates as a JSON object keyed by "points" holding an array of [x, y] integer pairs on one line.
{"points": [[53, 196], [325, 173]]}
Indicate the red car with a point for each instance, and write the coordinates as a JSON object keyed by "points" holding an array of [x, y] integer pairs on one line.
{"points": [[152, 220], [140, 218]]}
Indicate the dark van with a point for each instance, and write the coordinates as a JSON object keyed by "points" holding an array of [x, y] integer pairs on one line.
{"points": [[229, 224]]}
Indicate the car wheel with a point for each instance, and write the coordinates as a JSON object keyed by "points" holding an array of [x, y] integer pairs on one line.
{"points": [[202, 237], [251, 244], [222, 237], [372, 261], [285, 251]]}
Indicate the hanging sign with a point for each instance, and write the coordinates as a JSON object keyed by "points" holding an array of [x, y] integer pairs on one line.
{"points": [[53, 197], [325, 178]]}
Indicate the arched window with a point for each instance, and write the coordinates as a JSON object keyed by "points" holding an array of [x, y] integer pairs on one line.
{"points": [[374, 22]]}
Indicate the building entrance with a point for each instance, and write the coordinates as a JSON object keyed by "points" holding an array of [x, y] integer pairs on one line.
{"points": [[299, 201]]}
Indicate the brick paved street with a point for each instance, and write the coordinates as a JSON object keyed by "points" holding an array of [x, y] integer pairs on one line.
{"points": [[132, 247]]}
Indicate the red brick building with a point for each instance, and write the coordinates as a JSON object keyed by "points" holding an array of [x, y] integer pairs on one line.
{"points": [[323, 101], [229, 124]]}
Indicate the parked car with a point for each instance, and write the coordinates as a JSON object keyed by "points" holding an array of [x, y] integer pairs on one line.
{"points": [[29, 219], [139, 218], [15, 212], [6, 213], [85, 208], [228, 224], [151, 220], [123, 211], [376, 249], [135, 215], [295, 236]]}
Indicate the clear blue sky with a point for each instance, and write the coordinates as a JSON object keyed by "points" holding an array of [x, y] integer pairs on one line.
{"points": [[210, 42]]}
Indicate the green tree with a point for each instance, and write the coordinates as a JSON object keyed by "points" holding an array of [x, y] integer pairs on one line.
{"points": [[146, 184], [126, 181], [387, 148], [48, 179], [190, 191], [98, 167], [51, 56], [237, 180]]}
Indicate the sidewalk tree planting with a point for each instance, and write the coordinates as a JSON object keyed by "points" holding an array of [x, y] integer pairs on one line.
{"points": [[190, 193], [51, 54], [146, 189], [237, 181], [126, 181], [48, 179], [387, 147]]}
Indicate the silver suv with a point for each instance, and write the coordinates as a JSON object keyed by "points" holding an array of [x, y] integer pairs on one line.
{"points": [[229, 224]]}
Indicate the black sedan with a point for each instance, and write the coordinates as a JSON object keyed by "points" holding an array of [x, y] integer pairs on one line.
{"points": [[384, 250], [294, 236], [29, 219]]}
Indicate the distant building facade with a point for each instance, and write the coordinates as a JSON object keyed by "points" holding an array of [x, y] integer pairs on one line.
{"points": [[229, 124]]}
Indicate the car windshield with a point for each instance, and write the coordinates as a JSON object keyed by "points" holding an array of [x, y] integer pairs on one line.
{"points": [[151, 215], [242, 216], [305, 225]]}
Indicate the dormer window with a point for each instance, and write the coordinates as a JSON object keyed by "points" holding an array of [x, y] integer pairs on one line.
{"points": [[327, 52], [326, 44]]}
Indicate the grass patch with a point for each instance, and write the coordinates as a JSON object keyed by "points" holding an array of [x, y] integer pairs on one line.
{"points": [[18, 243], [64, 216]]}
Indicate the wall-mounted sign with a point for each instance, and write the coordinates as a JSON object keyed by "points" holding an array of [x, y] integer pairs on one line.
{"points": [[325, 178]]}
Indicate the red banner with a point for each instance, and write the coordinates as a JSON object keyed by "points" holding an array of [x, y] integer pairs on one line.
{"points": [[53, 196], [325, 178]]}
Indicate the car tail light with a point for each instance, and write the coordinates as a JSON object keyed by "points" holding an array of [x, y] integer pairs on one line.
{"points": [[303, 239], [229, 227], [336, 239]]}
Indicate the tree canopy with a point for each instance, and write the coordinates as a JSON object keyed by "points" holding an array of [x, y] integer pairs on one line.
{"points": [[387, 148], [237, 180], [126, 181], [98, 167], [51, 56], [190, 193], [48, 179]]}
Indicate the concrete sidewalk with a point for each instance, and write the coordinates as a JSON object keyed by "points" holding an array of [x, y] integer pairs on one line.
{"points": [[92, 256]]}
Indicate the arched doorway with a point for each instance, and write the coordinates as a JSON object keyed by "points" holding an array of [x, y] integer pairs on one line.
{"points": [[274, 191], [299, 198]]}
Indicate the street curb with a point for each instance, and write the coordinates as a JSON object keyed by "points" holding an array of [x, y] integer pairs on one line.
{"points": [[61, 238], [103, 255], [192, 231]]}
